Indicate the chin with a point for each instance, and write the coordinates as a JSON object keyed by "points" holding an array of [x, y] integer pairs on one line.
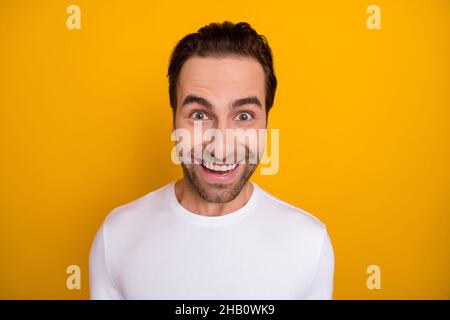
{"points": [[218, 187]]}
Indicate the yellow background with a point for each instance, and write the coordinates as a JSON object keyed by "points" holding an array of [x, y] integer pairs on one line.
{"points": [[363, 117]]}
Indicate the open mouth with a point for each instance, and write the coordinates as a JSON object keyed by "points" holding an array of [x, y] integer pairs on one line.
{"points": [[219, 169]]}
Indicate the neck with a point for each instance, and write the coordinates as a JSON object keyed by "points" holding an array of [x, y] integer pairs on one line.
{"points": [[192, 201]]}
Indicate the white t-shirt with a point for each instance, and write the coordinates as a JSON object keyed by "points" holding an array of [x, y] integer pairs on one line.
{"points": [[154, 248]]}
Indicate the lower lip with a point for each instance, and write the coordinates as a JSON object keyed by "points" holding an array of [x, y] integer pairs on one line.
{"points": [[212, 176]]}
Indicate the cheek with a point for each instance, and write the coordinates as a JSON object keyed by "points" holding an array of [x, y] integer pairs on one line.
{"points": [[254, 146], [189, 139], [251, 140]]}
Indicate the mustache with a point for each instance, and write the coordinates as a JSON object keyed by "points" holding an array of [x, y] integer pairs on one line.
{"points": [[212, 156]]}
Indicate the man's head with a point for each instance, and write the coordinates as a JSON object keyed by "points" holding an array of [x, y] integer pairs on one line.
{"points": [[221, 77]]}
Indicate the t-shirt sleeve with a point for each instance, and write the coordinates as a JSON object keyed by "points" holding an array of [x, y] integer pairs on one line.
{"points": [[101, 283], [322, 285]]}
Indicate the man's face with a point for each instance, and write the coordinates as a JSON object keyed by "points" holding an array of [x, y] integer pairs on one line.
{"points": [[221, 93]]}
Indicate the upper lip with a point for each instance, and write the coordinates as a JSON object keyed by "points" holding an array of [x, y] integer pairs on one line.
{"points": [[217, 163]]}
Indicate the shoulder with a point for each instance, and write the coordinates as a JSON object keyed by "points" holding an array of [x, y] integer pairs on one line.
{"points": [[298, 230], [291, 215], [133, 213]]}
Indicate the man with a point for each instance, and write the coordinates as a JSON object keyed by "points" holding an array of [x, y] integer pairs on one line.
{"points": [[214, 234]]}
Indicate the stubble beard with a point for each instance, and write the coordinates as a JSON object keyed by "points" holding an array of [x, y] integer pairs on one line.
{"points": [[217, 192]]}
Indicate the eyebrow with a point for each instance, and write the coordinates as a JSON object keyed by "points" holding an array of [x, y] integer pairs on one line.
{"points": [[236, 103], [244, 101]]}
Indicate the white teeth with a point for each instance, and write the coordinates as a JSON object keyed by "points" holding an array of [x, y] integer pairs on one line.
{"points": [[216, 167]]}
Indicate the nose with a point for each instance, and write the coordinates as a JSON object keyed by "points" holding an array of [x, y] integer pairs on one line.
{"points": [[220, 148]]}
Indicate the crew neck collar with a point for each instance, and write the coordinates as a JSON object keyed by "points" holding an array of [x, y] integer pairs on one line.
{"points": [[200, 219]]}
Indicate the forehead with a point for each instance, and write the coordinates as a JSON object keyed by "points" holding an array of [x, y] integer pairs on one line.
{"points": [[225, 77]]}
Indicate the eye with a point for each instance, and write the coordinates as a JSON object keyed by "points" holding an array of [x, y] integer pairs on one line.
{"points": [[199, 115], [244, 116]]}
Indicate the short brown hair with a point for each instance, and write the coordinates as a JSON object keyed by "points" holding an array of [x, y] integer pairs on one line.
{"points": [[219, 39]]}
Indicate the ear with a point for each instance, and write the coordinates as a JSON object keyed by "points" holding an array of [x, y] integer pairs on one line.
{"points": [[173, 119]]}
